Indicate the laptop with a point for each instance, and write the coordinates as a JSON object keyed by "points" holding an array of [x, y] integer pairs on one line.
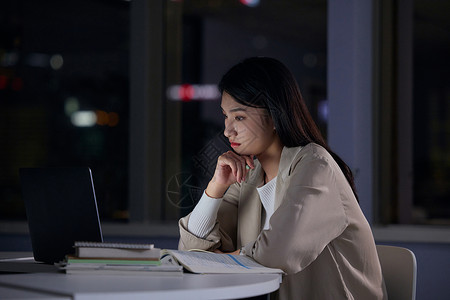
{"points": [[61, 208]]}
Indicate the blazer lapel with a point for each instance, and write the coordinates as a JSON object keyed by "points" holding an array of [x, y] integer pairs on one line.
{"points": [[284, 170], [250, 208], [249, 222]]}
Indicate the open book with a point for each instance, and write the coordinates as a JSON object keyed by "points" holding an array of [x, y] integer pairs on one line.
{"points": [[122, 258], [209, 262]]}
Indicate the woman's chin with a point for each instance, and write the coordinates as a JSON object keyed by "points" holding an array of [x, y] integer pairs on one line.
{"points": [[243, 152]]}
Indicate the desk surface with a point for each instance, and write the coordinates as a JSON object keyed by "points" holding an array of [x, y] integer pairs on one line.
{"points": [[13, 293], [187, 286]]}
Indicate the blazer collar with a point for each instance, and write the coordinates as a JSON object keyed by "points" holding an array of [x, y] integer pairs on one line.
{"points": [[287, 156], [256, 177]]}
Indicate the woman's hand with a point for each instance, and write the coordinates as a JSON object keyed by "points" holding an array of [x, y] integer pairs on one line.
{"points": [[237, 252], [230, 168]]}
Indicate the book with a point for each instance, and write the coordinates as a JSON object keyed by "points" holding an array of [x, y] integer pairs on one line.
{"points": [[110, 261], [208, 263], [116, 250], [98, 271], [113, 245], [167, 266]]}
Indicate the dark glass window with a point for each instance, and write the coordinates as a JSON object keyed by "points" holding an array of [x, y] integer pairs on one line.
{"points": [[431, 111], [64, 95], [414, 112]]}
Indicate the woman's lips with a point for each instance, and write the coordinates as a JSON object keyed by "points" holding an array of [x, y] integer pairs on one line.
{"points": [[234, 145]]}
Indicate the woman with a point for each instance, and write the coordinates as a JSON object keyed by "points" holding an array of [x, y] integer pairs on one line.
{"points": [[294, 207]]}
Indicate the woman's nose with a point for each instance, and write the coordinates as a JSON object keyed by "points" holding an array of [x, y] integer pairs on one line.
{"points": [[229, 129]]}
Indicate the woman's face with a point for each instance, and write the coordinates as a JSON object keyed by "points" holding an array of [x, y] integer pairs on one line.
{"points": [[250, 130]]}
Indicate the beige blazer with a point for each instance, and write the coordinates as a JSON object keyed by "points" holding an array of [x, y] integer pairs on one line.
{"points": [[318, 234]]}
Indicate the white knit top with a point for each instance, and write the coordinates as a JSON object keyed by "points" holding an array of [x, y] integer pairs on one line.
{"points": [[267, 195], [204, 215]]}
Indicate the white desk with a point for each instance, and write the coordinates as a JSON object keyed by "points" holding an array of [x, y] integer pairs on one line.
{"points": [[187, 286], [12, 293], [48, 285]]}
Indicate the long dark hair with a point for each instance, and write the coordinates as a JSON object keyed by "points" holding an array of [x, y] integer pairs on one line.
{"points": [[267, 83]]}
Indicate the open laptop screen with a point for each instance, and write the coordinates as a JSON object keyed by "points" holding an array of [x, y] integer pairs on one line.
{"points": [[61, 208]]}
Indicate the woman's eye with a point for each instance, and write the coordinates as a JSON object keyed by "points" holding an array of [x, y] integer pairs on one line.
{"points": [[239, 118]]}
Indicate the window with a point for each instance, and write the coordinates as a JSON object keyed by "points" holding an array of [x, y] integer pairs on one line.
{"points": [[64, 96], [414, 112], [431, 112]]}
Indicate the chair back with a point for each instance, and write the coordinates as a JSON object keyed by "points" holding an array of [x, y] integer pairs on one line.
{"points": [[399, 268]]}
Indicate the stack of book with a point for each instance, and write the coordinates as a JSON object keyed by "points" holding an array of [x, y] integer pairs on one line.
{"points": [[118, 258]]}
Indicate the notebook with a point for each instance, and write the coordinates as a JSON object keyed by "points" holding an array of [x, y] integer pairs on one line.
{"points": [[61, 208]]}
